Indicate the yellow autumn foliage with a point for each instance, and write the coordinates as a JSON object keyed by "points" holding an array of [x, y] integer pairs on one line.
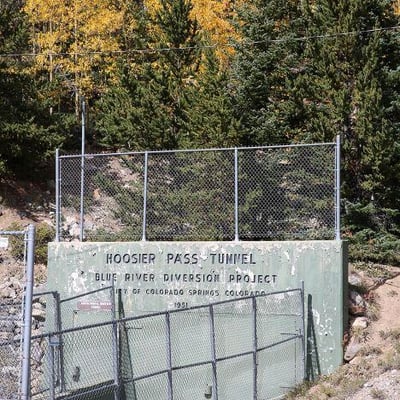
{"points": [[71, 37], [213, 17]]}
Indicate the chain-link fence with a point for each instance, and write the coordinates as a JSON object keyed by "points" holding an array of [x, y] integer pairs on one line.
{"points": [[10, 348], [241, 349], [16, 285], [280, 192], [56, 353]]}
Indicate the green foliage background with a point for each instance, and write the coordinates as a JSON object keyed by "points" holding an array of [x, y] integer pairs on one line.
{"points": [[301, 72]]}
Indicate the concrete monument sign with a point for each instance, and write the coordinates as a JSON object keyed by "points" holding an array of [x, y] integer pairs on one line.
{"points": [[157, 276]]}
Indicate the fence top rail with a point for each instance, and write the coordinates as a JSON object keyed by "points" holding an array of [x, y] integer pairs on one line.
{"points": [[86, 294], [160, 313], [12, 232], [39, 294], [92, 155]]}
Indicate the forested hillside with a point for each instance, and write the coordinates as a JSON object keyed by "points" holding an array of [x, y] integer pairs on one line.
{"points": [[169, 74]]}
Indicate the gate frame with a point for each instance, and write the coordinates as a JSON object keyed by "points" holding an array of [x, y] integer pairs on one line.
{"points": [[115, 383]]}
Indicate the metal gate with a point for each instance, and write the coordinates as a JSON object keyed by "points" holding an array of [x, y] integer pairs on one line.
{"points": [[249, 348]]}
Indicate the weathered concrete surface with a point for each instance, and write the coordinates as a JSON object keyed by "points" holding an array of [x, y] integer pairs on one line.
{"points": [[155, 276]]}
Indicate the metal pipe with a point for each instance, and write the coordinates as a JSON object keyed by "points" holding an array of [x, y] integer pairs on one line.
{"points": [[25, 379], [255, 345], [93, 155], [169, 356], [236, 197], [52, 391], [115, 346], [58, 322], [213, 354], [303, 341], [57, 211], [82, 169], [145, 196], [337, 188]]}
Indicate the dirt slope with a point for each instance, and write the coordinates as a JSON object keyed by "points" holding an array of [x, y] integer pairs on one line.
{"points": [[375, 371]]}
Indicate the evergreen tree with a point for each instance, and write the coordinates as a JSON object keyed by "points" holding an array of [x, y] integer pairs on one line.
{"points": [[175, 69], [351, 87], [173, 97], [339, 77], [311, 70], [28, 135], [212, 122], [266, 66]]}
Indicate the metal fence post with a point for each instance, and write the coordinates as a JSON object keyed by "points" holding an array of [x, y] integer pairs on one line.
{"points": [[57, 184], [26, 362], [255, 347], [169, 356], [52, 391], [82, 171], [303, 341], [117, 381], [337, 188], [61, 371], [213, 353], [236, 196], [146, 156]]}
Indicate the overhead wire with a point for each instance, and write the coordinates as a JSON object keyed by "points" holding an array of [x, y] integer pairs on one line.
{"points": [[201, 47]]}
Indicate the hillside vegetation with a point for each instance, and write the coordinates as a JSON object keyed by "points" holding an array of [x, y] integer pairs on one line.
{"points": [[172, 74]]}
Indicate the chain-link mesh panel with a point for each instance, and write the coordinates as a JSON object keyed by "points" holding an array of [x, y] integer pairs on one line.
{"points": [[223, 349], [152, 388], [10, 349], [279, 369], [95, 307], [111, 196], [287, 193], [280, 356], [250, 348], [234, 327], [147, 345], [280, 193], [279, 316], [76, 364], [235, 378], [192, 382], [191, 196], [187, 346], [64, 358]]}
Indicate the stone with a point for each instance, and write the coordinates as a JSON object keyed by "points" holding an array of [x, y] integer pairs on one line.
{"points": [[39, 313], [355, 280], [360, 322], [6, 326], [352, 349], [8, 293], [357, 305]]}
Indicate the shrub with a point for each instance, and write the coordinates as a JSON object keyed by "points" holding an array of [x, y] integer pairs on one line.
{"points": [[44, 235], [373, 234]]}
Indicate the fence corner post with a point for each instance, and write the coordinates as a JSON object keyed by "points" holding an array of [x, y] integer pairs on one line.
{"points": [[337, 188], [25, 379]]}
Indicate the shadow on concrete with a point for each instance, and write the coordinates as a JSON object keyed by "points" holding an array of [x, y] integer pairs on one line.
{"points": [[313, 368]]}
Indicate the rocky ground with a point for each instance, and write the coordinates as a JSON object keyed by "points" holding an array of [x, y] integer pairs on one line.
{"points": [[372, 369]]}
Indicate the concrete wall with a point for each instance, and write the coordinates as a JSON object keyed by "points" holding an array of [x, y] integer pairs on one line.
{"points": [[155, 276]]}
